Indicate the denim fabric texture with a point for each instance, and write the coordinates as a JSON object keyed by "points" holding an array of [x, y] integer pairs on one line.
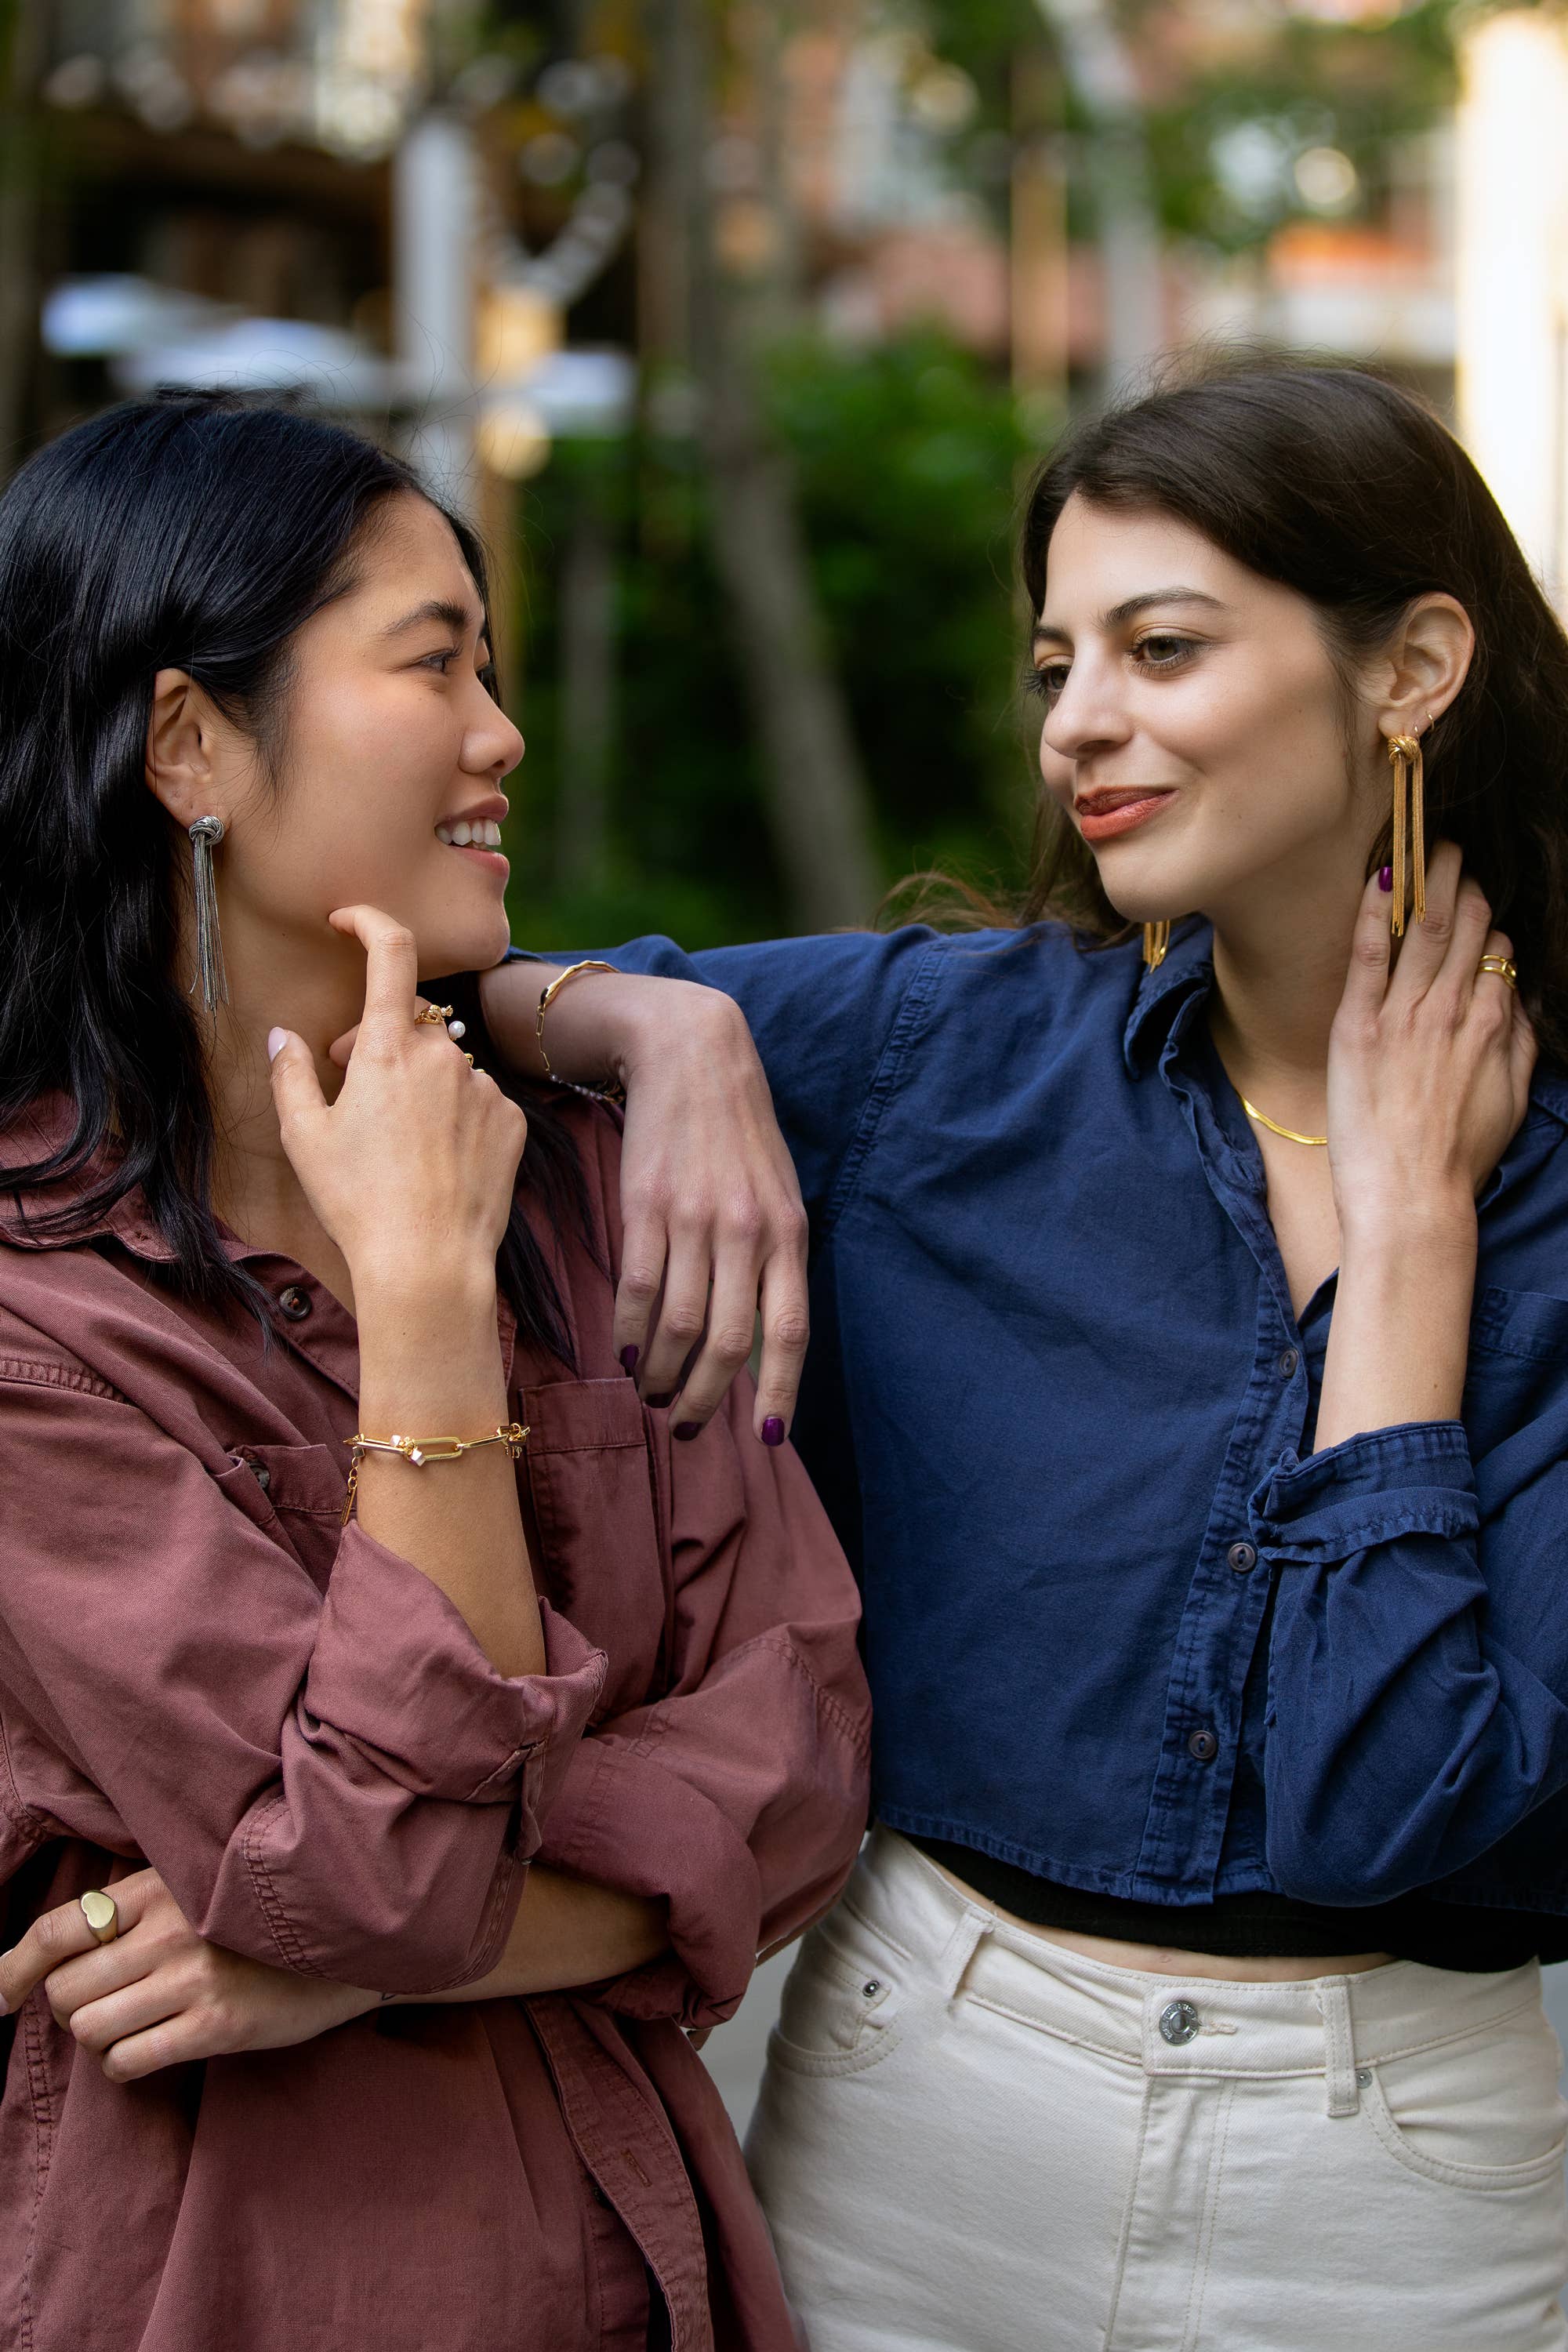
{"points": [[1124, 1628]]}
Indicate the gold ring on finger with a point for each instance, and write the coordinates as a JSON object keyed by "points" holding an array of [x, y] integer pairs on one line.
{"points": [[1502, 967], [434, 1014], [103, 1915]]}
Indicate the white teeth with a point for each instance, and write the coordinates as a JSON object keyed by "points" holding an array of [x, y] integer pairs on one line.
{"points": [[444, 832], [462, 833], [492, 834]]}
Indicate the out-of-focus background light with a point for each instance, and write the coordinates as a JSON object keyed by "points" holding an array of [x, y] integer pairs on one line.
{"points": [[736, 324]]}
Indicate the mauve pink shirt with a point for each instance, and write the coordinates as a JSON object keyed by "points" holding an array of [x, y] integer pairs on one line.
{"points": [[199, 1670]]}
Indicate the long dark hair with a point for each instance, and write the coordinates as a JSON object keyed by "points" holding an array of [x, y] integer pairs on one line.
{"points": [[1348, 489], [197, 531]]}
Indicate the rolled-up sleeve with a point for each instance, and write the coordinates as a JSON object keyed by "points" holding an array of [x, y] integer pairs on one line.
{"points": [[340, 1782], [738, 1798], [1403, 1740]]}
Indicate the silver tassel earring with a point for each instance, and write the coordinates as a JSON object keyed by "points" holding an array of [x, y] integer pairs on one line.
{"points": [[211, 978]]}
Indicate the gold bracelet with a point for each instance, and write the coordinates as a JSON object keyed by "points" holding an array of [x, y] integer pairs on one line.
{"points": [[418, 1451], [548, 996]]}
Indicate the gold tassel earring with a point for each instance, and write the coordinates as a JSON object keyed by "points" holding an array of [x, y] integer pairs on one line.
{"points": [[1409, 828], [1156, 939]]}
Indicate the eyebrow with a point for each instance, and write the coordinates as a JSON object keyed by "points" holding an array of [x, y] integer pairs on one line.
{"points": [[435, 608], [1132, 606]]}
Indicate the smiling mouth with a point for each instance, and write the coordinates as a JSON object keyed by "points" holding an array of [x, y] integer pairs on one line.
{"points": [[1101, 816], [483, 833]]}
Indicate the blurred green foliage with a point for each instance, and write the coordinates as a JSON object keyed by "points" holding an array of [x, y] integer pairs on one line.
{"points": [[908, 459]]}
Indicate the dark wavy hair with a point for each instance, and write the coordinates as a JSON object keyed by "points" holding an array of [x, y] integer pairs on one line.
{"points": [[197, 531], [1350, 491]]}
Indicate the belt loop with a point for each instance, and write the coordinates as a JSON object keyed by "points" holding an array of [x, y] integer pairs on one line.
{"points": [[1339, 2047], [959, 1949]]}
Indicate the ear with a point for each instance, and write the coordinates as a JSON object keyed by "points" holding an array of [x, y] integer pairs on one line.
{"points": [[181, 763], [1426, 665]]}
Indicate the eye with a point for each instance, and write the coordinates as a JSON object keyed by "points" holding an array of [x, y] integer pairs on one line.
{"points": [[1045, 680], [1161, 651], [440, 662]]}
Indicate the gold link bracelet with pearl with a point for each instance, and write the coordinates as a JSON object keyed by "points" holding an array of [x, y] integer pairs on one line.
{"points": [[418, 1451]]}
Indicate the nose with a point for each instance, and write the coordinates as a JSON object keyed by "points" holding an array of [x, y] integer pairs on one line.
{"points": [[492, 746], [1089, 715]]}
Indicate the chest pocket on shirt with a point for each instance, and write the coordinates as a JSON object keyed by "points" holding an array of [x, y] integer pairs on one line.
{"points": [[295, 1491], [1517, 1380], [600, 1559]]}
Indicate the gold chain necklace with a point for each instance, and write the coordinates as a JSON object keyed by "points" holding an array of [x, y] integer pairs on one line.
{"points": [[1274, 1127]]}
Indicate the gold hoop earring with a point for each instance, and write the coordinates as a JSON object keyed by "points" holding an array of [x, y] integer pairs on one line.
{"points": [[1409, 828], [1156, 939]]}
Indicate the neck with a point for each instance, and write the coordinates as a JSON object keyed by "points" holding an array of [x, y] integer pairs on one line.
{"points": [[317, 991], [1281, 961]]}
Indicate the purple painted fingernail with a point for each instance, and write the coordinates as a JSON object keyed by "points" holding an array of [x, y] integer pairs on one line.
{"points": [[1386, 877], [660, 1402], [773, 1431], [629, 1359], [688, 1429]]}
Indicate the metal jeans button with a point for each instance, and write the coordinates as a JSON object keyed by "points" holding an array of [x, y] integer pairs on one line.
{"points": [[1242, 1557], [1179, 2023], [295, 1302], [1204, 1746]]}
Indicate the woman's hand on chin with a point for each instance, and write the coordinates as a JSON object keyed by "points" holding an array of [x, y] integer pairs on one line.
{"points": [[1429, 1061], [158, 1996], [411, 1171]]}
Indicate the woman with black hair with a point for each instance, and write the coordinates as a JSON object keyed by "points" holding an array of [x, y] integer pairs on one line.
{"points": [[1191, 1381], [345, 1573]]}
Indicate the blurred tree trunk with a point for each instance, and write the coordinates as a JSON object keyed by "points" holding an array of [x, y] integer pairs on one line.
{"points": [[1099, 70], [587, 697], [24, 32], [818, 806]]}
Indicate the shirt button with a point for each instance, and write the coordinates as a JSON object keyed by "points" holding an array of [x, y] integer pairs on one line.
{"points": [[1179, 2023], [295, 1303], [1204, 1746], [1243, 1557], [1288, 1363]]}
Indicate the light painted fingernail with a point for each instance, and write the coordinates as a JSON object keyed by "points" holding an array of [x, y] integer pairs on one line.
{"points": [[773, 1431], [276, 1040], [1386, 877]]}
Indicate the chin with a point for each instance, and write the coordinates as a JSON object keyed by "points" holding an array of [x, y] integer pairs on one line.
{"points": [[472, 946]]}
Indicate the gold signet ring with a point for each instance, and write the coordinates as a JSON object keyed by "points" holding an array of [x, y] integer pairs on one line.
{"points": [[103, 1915], [1501, 967]]}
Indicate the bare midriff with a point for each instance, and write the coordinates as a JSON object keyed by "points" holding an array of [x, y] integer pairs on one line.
{"points": [[1170, 1960]]}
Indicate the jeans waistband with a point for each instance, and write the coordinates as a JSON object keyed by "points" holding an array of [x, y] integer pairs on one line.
{"points": [[1175, 2025]]}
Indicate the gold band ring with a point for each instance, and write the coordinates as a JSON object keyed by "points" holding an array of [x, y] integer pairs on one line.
{"points": [[1503, 968], [103, 1915], [434, 1014]]}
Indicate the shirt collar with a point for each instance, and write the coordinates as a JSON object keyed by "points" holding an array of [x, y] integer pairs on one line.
{"points": [[1186, 973], [1186, 977], [47, 1126]]}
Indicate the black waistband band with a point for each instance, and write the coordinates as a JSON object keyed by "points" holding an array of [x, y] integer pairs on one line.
{"points": [[1268, 1927]]}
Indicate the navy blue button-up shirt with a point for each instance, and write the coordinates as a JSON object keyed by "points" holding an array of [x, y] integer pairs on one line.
{"points": [[1125, 1630]]}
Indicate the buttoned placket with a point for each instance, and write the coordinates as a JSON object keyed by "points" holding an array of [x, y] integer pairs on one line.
{"points": [[1229, 1599]]}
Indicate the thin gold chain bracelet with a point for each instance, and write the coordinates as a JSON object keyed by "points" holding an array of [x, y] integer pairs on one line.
{"points": [[612, 1091], [418, 1451]]}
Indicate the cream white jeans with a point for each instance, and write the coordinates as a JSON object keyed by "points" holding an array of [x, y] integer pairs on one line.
{"points": [[972, 2141]]}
